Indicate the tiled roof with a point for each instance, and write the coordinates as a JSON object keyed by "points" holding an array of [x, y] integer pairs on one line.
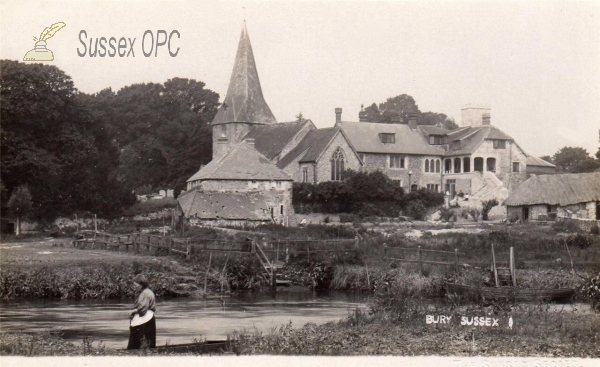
{"points": [[311, 147], [433, 130], [271, 139], [225, 205], [244, 101], [562, 189], [535, 161], [364, 136], [472, 137], [241, 163]]}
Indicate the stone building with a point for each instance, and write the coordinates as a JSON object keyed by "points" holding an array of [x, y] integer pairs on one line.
{"points": [[569, 196]]}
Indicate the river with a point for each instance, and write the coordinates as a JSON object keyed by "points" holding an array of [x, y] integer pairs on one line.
{"points": [[179, 320]]}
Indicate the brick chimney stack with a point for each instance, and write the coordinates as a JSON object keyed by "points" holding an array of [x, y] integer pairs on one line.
{"points": [[486, 119], [362, 115], [412, 120], [338, 115]]}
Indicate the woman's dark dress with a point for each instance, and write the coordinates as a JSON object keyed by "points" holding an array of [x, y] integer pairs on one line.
{"points": [[147, 331]]}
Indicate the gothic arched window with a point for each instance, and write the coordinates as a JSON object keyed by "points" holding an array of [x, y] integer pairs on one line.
{"points": [[427, 165], [432, 166], [437, 166], [337, 165]]}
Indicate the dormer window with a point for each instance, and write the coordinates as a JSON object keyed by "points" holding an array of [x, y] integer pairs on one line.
{"points": [[438, 139], [387, 138], [499, 144]]}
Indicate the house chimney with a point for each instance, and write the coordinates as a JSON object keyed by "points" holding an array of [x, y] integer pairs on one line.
{"points": [[338, 115], [486, 119], [362, 115], [396, 119], [412, 120]]}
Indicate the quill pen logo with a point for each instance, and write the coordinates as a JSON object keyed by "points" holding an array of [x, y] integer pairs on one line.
{"points": [[40, 52]]}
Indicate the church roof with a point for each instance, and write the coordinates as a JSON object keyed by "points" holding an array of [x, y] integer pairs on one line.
{"points": [[225, 205], [311, 147], [241, 163], [270, 140], [244, 101]]}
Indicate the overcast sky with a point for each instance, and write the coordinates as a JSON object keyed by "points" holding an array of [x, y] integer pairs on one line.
{"points": [[536, 63]]}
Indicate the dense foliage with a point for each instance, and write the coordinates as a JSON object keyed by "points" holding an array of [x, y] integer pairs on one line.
{"points": [[87, 153], [364, 193], [401, 106], [52, 143]]}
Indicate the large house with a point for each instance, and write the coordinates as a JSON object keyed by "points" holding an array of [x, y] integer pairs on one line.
{"points": [[262, 156]]}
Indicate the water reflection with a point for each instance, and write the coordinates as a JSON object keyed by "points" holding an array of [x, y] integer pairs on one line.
{"points": [[179, 320]]}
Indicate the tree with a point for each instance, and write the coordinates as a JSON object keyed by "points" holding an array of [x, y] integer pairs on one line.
{"points": [[20, 204], [588, 165], [300, 117], [162, 131], [568, 158], [52, 143], [401, 106]]}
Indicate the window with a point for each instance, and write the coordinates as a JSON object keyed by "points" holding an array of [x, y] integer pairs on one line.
{"points": [[305, 174], [387, 138], [499, 144], [432, 166], [396, 161], [337, 165], [427, 165], [466, 164], [397, 182], [457, 165], [438, 139], [433, 187], [516, 167], [437, 166], [281, 209]]}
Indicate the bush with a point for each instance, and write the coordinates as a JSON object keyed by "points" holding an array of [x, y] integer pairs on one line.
{"points": [[417, 210], [475, 213], [487, 206], [579, 240], [591, 289], [446, 214]]}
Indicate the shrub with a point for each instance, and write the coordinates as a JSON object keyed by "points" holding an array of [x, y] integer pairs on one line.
{"points": [[591, 289], [487, 206], [446, 214], [417, 210], [475, 213], [579, 240]]}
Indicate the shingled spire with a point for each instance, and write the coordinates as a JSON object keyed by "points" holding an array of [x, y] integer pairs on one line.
{"points": [[244, 101]]}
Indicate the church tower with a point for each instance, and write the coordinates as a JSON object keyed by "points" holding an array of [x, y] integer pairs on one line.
{"points": [[244, 104]]}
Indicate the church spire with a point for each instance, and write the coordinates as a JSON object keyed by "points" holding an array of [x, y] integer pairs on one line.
{"points": [[244, 101]]}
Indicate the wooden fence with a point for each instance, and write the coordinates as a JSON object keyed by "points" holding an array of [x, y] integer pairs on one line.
{"points": [[420, 252]]}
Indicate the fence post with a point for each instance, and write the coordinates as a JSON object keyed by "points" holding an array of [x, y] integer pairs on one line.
{"points": [[188, 251], [513, 271], [456, 258], [420, 261]]}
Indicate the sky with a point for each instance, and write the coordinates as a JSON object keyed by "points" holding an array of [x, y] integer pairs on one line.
{"points": [[537, 64]]}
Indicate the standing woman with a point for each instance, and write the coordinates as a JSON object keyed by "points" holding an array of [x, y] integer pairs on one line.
{"points": [[143, 324]]}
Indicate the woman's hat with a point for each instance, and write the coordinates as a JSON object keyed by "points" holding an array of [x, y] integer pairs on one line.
{"points": [[141, 280]]}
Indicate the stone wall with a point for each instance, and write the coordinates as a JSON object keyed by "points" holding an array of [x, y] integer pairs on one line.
{"points": [[275, 196], [323, 166], [583, 224]]}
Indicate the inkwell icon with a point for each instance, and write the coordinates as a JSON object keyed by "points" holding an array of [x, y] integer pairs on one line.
{"points": [[40, 52]]}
